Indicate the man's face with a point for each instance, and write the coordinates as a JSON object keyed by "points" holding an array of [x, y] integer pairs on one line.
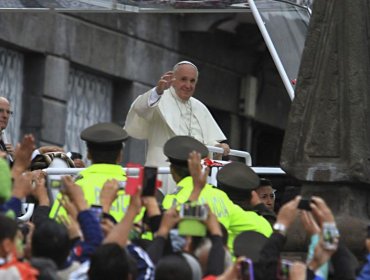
{"points": [[267, 196], [4, 113], [185, 80]]}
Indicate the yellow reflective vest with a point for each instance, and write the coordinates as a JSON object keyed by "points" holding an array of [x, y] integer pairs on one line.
{"points": [[232, 216], [91, 180]]}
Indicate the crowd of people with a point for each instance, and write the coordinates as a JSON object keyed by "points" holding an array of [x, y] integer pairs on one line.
{"points": [[106, 224], [145, 239]]}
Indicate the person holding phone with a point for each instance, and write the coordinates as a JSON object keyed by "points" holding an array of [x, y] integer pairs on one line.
{"points": [[270, 255], [235, 219]]}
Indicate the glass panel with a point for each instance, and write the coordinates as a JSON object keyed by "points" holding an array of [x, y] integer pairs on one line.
{"points": [[285, 24], [173, 5], [55, 4], [11, 87], [123, 5], [192, 6], [90, 102]]}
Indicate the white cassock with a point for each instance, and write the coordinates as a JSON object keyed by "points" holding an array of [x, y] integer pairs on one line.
{"points": [[166, 118]]}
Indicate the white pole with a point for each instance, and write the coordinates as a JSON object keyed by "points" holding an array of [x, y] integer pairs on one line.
{"points": [[272, 49]]}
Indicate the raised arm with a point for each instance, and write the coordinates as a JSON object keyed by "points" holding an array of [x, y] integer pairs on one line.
{"points": [[144, 103], [199, 176], [120, 232]]}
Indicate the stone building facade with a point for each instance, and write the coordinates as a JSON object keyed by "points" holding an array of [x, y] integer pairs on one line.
{"points": [[66, 71]]}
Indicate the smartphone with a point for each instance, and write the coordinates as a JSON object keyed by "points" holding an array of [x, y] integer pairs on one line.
{"points": [[98, 211], [330, 236], [246, 269], [283, 270], [149, 181], [193, 211], [304, 204]]}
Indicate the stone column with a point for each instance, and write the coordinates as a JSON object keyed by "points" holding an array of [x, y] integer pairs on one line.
{"points": [[32, 106], [55, 96], [327, 139], [125, 94]]}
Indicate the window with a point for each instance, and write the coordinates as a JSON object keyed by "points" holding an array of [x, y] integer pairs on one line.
{"points": [[11, 87], [90, 102]]}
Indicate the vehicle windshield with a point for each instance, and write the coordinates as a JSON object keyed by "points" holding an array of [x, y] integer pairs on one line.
{"points": [[284, 25]]}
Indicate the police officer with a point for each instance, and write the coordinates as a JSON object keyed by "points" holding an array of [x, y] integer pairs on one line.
{"points": [[240, 182], [105, 149], [233, 217]]}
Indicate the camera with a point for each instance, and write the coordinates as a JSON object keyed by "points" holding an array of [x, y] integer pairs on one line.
{"points": [[192, 216], [246, 269], [194, 211]]}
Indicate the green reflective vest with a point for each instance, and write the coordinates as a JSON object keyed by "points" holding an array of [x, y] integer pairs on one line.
{"points": [[91, 180], [233, 217]]}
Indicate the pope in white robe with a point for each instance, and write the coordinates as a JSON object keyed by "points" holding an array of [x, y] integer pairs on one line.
{"points": [[169, 110]]}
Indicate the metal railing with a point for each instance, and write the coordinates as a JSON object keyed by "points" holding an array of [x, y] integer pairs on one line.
{"points": [[133, 171], [237, 153]]}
